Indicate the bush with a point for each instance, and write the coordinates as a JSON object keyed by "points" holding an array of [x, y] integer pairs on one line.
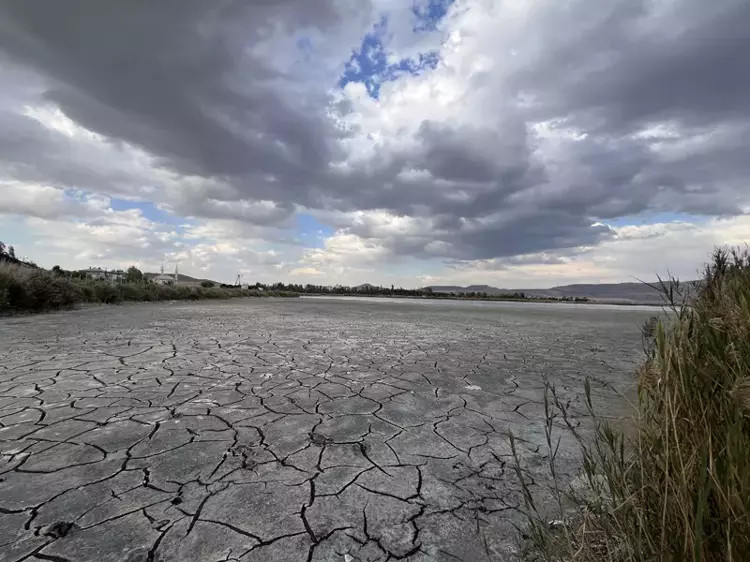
{"points": [[12, 291], [677, 486], [106, 293], [134, 292]]}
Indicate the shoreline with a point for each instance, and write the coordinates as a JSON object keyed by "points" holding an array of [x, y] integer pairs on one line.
{"points": [[484, 299]]}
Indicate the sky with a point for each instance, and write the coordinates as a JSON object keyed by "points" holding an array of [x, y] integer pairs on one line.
{"points": [[515, 143]]}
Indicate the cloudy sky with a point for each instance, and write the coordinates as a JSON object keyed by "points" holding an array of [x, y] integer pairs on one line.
{"points": [[519, 143]]}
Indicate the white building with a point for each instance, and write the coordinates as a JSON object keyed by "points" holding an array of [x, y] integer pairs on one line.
{"points": [[166, 278], [99, 274]]}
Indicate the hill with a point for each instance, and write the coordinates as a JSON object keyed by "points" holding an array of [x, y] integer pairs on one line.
{"points": [[626, 293], [182, 278]]}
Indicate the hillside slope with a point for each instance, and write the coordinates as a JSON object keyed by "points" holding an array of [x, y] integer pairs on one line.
{"points": [[182, 278], [630, 293]]}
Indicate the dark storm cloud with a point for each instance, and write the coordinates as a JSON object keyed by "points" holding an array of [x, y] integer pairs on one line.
{"points": [[176, 78], [700, 76], [33, 153], [468, 154], [623, 63], [185, 81], [519, 231]]}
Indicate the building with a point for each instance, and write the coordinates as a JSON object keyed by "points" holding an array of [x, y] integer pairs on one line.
{"points": [[99, 274], [96, 273], [166, 278]]}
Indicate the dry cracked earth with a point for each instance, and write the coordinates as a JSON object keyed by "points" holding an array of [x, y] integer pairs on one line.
{"points": [[297, 429]]}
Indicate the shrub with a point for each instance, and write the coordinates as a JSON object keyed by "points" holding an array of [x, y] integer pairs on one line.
{"points": [[676, 486], [106, 293], [12, 290], [134, 292]]}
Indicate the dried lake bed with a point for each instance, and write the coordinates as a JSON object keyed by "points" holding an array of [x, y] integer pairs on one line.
{"points": [[289, 429]]}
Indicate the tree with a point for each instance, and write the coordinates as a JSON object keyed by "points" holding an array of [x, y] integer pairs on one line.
{"points": [[207, 284], [12, 252], [134, 275], [57, 271]]}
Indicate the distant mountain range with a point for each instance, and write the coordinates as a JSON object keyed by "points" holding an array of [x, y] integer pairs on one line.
{"points": [[625, 293]]}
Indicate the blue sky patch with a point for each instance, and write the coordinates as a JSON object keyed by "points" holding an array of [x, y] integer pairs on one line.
{"points": [[311, 232], [149, 210], [369, 65], [430, 13], [13, 233]]}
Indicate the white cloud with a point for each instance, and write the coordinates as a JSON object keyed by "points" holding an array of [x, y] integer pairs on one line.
{"points": [[33, 200], [344, 250], [636, 253]]}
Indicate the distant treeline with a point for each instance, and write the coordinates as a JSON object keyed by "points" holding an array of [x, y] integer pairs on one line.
{"points": [[24, 288], [373, 290]]}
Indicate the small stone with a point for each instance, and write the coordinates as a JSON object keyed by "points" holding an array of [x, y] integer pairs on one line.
{"points": [[318, 439], [60, 529]]}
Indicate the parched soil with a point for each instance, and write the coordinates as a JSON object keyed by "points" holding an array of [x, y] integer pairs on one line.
{"points": [[307, 429]]}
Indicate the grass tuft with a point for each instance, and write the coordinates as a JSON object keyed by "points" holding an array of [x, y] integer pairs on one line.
{"points": [[676, 485]]}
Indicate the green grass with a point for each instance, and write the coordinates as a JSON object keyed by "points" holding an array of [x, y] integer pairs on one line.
{"points": [[675, 485], [29, 289]]}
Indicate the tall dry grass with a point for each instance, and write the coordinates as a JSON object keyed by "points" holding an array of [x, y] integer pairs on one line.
{"points": [[35, 289], [675, 486]]}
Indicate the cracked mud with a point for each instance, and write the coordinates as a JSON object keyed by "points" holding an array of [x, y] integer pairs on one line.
{"points": [[306, 429]]}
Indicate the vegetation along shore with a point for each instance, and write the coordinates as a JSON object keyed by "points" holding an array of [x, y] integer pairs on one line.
{"points": [[675, 485], [25, 287]]}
